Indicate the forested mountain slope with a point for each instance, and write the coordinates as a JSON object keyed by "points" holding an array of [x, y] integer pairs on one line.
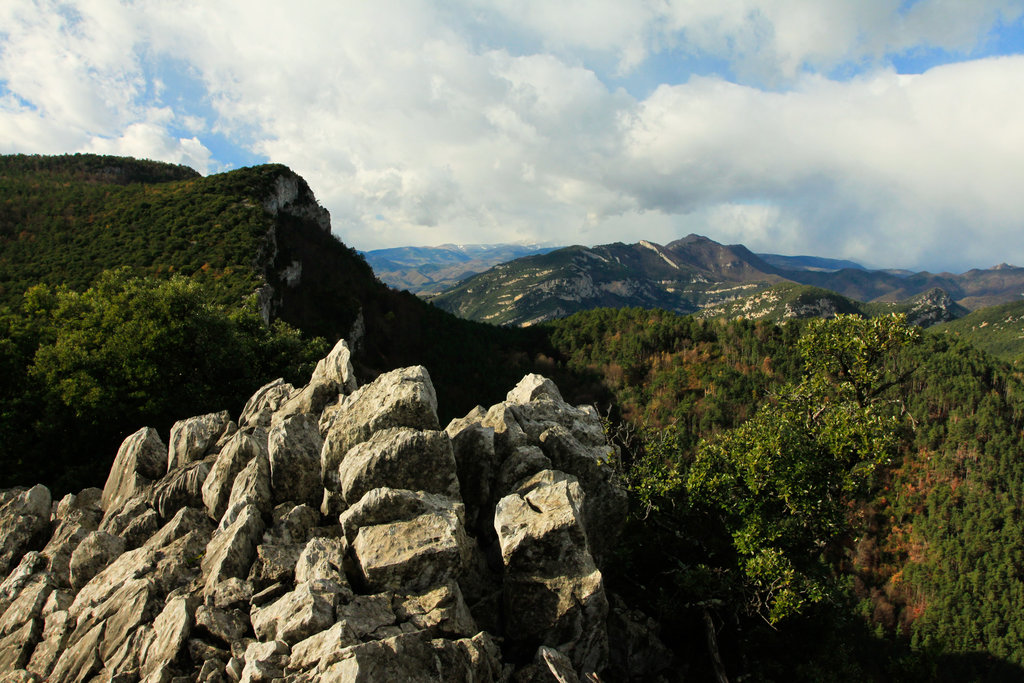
{"points": [[930, 570], [696, 274], [998, 330], [255, 244]]}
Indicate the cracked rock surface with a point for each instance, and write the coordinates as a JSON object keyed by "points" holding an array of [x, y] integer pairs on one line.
{"points": [[331, 533]]}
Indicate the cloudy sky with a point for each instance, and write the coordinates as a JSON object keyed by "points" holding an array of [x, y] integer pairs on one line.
{"points": [[887, 131]]}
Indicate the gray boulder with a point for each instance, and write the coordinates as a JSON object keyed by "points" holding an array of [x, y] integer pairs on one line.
{"points": [[382, 505], [24, 523], [418, 554], [260, 408], [418, 658], [141, 459], [332, 377], [251, 487], [237, 452], [231, 551], [134, 520], [194, 438], [294, 446], [92, 556], [75, 516], [400, 398], [554, 593], [399, 458], [296, 615], [181, 487]]}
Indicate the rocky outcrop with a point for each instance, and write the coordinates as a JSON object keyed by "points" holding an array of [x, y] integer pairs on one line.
{"points": [[333, 533]]}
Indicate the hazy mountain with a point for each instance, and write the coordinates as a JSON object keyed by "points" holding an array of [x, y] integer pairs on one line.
{"points": [[431, 270], [816, 263]]}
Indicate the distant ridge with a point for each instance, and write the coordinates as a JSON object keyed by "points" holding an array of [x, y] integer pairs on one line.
{"points": [[697, 274], [816, 263], [431, 270]]}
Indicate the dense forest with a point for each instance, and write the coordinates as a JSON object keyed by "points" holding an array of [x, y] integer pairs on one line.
{"points": [[919, 577], [128, 297], [812, 500]]}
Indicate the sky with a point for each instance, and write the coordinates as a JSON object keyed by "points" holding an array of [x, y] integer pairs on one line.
{"points": [[890, 132]]}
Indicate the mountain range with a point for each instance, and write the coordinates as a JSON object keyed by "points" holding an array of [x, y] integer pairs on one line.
{"points": [[429, 271], [698, 275]]}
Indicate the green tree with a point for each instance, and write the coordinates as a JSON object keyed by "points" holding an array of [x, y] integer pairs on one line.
{"points": [[84, 369], [781, 483]]}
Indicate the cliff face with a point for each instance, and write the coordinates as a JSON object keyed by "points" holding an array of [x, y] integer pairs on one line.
{"points": [[330, 532]]}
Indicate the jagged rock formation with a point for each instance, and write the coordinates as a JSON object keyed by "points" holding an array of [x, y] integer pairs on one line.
{"points": [[332, 533]]}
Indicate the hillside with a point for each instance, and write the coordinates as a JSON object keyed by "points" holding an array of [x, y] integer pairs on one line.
{"points": [[428, 271], [998, 330], [697, 274], [255, 241], [934, 532], [683, 276]]}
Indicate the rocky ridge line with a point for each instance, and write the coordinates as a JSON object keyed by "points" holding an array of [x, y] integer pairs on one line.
{"points": [[331, 533]]}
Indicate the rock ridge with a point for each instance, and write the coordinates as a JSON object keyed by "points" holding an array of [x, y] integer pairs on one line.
{"points": [[330, 533]]}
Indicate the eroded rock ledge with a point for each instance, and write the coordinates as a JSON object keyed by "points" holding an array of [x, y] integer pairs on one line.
{"points": [[331, 533]]}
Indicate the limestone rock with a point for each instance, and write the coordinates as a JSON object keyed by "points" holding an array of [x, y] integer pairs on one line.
{"points": [[441, 611], [532, 387], [522, 463], [336, 367], [296, 615], [24, 523], [231, 593], [554, 594], [141, 459], [92, 555], [76, 516], [260, 408], [193, 438], [476, 462], [81, 661], [323, 560], [320, 648], [226, 626], [16, 647], [292, 524], [181, 487], [56, 629], [508, 434], [294, 446], [237, 452], [606, 504], [231, 550], [28, 604], [400, 398], [418, 658], [134, 520], [400, 458], [423, 552], [171, 629], [274, 563], [265, 661], [187, 520], [382, 505], [28, 569], [367, 614], [251, 488]]}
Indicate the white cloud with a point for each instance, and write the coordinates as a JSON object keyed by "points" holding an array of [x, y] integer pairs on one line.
{"points": [[489, 121]]}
